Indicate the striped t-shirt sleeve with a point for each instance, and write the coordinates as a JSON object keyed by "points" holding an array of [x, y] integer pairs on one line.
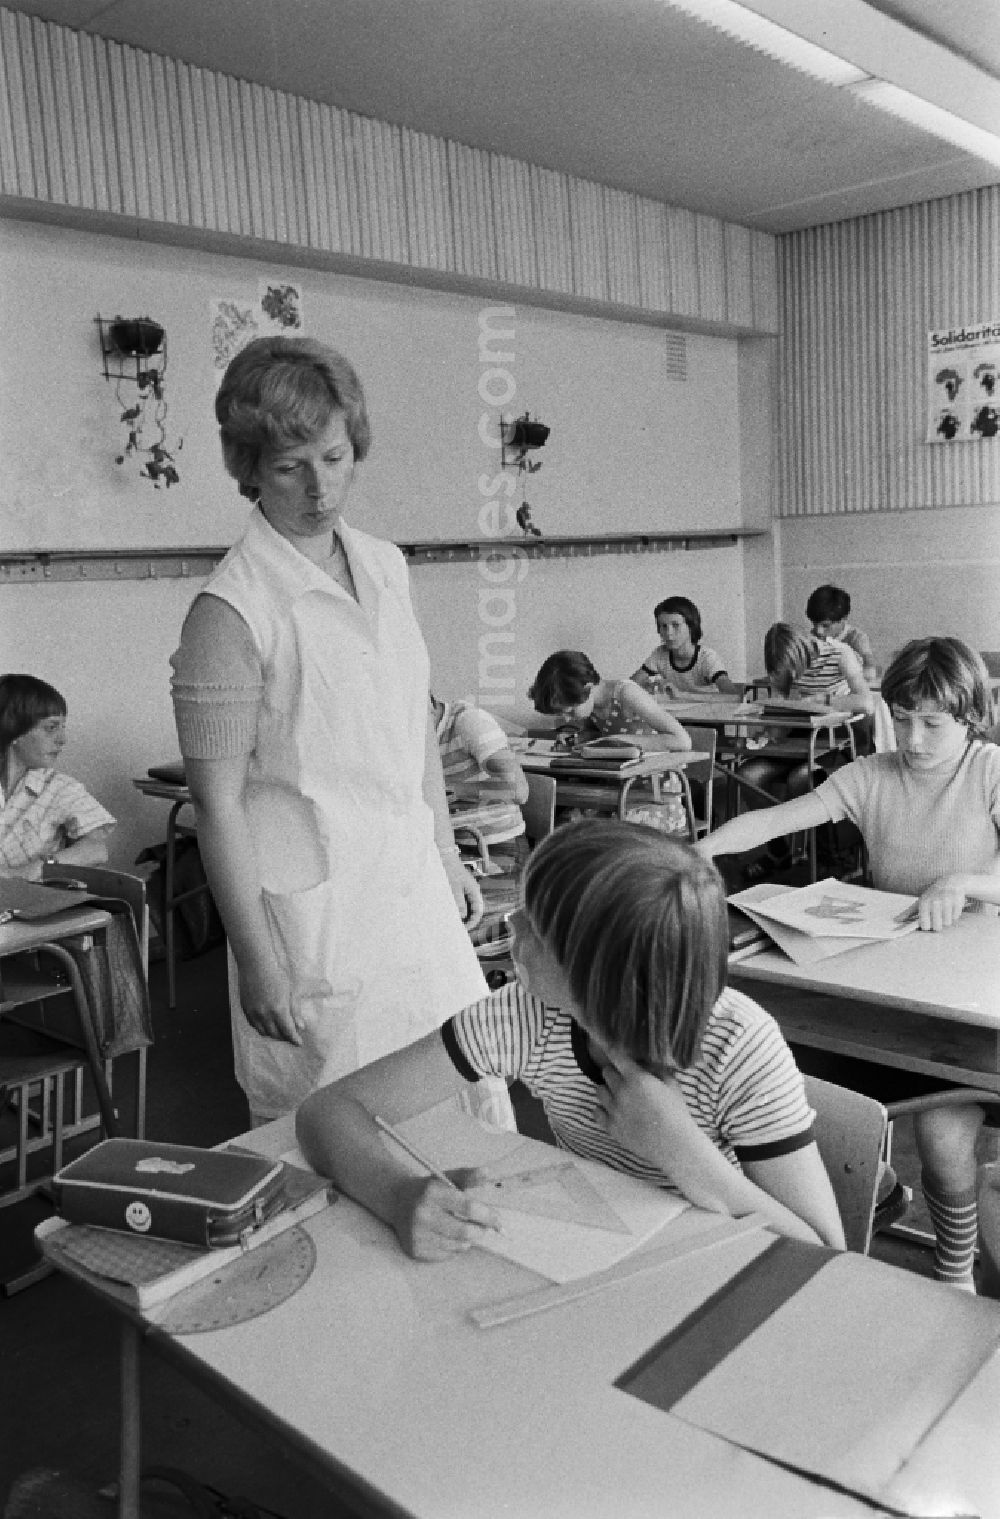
{"points": [[496, 1035], [762, 1109]]}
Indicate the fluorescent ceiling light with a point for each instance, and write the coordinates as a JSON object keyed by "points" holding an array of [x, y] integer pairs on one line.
{"points": [[770, 38], [931, 118], [777, 42]]}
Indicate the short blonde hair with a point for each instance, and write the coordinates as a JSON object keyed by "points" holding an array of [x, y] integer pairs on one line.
{"points": [[277, 392], [787, 653], [637, 922]]}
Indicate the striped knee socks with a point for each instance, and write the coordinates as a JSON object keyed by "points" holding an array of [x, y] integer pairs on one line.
{"points": [[955, 1219]]}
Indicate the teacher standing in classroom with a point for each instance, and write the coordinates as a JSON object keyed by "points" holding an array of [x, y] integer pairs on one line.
{"points": [[301, 698]]}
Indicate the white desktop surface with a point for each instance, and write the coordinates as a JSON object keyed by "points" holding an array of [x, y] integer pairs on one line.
{"points": [[374, 1372], [954, 974]]}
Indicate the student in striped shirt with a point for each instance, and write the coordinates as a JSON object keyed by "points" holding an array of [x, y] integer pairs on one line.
{"points": [[828, 609], [477, 760], [806, 671], [622, 1025], [929, 814]]}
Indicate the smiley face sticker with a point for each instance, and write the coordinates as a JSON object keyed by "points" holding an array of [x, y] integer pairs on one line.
{"points": [[138, 1217]]}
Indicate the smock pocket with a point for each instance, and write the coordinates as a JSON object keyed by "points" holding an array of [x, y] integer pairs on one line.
{"points": [[306, 932]]}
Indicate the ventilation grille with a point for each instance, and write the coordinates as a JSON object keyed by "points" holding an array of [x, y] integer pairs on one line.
{"points": [[676, 349]]}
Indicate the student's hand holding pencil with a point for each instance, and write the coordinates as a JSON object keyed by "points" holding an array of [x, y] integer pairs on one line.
{"points": [[435, 1219], [431, 1216]]}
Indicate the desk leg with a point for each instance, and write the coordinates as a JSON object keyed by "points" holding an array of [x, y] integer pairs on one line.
{"points": [[168, 902], [130, 1458]]}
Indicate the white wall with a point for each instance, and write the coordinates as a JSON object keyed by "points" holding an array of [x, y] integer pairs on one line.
{"points": [[909, 574], [911, 529], [627, 446]]}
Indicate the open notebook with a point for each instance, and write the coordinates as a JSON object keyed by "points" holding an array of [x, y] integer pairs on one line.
{"points": [[813, 922]]}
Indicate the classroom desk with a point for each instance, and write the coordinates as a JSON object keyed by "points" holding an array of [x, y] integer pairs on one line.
{"points": [[576, 787], [928, 1002], [734, 719], [179, 797], [373, 1376], [21, 986]]}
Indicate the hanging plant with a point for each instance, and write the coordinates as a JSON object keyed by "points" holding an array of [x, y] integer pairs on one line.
{"points": [[135, 353], [149, 411]]}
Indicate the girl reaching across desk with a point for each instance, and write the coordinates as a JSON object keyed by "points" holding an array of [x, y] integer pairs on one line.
{"points": [[930, 818], [681, 665], [622, 1024], [45, 816], [567, 685]]}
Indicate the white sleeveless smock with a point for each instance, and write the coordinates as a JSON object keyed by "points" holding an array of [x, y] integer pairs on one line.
{"points": [[361, 913]]}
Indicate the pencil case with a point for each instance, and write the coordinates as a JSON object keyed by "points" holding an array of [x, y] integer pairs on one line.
{"points": [[178, 1192]]}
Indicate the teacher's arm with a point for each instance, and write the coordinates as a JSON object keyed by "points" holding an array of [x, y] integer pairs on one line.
{"points": [[230, 861], [216, 660], [465, 888]]}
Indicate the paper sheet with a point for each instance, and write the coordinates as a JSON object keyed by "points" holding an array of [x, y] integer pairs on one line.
{"points": [[840, 909], [554, 1247], [812, 923], [849, 1376]]}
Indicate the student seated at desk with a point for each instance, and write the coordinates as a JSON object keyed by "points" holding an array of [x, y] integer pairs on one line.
{"points": [[478, 763], [622, 1025], [567, 685], [681, 665], [929, 814], [45, 816], [828, 609], [806, 671]]}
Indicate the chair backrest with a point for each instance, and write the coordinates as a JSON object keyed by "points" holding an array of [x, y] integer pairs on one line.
{"points": [[883, 731], [540, 808], [850, 1132], [704, 740], [105, 881]]}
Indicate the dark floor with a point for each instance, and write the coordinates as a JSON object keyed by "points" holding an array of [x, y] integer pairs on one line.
{"points": [[58, 1361]]}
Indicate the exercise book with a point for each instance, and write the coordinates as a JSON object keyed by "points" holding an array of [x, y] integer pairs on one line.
{"points": [[826, 918], [828, 1364]]}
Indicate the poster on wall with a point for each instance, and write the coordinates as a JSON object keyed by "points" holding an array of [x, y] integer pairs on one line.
{"points": [[963, 383], [234, 320]]}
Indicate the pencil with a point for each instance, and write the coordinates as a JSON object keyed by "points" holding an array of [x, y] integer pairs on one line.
{"points": [[404, 1144], [908, 915]]}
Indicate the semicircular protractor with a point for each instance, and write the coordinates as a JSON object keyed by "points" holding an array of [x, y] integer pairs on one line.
{"points": [[245, 1288]]}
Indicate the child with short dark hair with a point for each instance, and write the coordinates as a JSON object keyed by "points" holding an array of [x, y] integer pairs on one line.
{"points": [[828, 609], [623, 1027], [681, 665], [568, 685], [45, 816], [929, 814]]}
